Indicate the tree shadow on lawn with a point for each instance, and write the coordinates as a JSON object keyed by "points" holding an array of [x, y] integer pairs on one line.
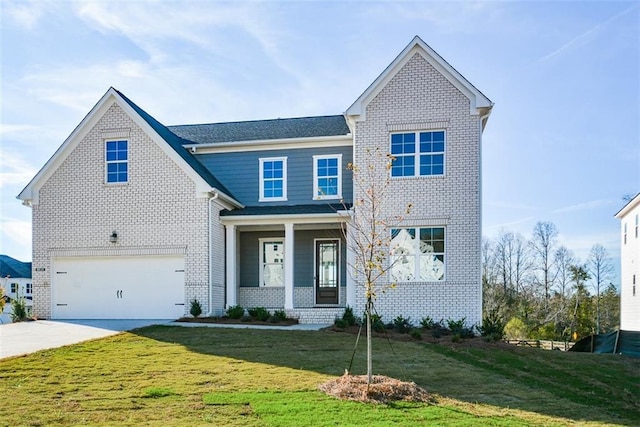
{"points": [[577, 386]]}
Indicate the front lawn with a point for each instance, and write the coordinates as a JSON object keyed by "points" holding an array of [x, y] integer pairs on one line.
{"points": [[167, 375]]}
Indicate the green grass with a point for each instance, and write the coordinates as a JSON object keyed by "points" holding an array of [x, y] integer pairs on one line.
{"points": [[198, 376]]}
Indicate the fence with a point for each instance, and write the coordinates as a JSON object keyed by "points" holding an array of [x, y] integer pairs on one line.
{"points": [[543, 344]]}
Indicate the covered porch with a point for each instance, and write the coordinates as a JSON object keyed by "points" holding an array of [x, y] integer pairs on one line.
{"points": [[288, 258]]}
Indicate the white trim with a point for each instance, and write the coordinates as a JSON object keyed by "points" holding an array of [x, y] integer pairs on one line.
{"points": [[231, 264], [105, 141], [417, 255], [316, 190], [479, 104], [289, 252], [418, 153], [262, 197], [315, 268], [272, 144], [338, 217]]}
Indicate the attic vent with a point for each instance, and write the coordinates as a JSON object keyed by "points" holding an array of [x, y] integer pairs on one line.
{"points": [[116, 133]]}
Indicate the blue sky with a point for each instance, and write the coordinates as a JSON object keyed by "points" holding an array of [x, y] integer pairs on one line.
{"points": [[562, 143]]}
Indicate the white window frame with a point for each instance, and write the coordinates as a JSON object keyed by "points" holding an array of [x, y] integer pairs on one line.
{"points": [[262, 197], [316, 187], [417, 153], [417, 254], [108, 162], [262, 241], [28, 288]]}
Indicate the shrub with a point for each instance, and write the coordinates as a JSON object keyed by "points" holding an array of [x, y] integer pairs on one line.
{"points": [[376, 323], [259, 313], [235, 312], [20, 312], [427, 323], [415, 334], [340, 323], [402, 325], [348, 316], [196, 308], [457, 327], [278, 316], [515, 329], [492, 327]]}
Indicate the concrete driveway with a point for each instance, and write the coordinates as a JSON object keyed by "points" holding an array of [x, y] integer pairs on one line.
{"points": [[28, 337]]}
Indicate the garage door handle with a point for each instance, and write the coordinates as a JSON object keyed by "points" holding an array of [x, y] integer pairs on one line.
{"points": [[179, 303], [61, 305]]}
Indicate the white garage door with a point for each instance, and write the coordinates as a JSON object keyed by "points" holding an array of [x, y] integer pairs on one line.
{"points": [[139, 287]]}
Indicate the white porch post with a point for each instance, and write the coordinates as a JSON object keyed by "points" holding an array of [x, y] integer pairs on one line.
{"points": [[351, 285], [230, 254], [288, 266]]}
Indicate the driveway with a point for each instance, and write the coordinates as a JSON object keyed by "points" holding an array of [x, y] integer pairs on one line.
{"points": [[28, 337]]}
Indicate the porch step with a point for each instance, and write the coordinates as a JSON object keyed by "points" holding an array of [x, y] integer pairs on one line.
{"points": [[317, 315]]}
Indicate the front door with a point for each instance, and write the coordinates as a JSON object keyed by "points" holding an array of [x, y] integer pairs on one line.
{"points": [[327, 271]]}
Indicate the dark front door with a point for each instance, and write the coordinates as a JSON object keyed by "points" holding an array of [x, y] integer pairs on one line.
{"points": [[327, 271]]}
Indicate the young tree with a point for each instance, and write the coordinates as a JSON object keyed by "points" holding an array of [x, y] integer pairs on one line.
{"points": [[580, 319], [368, 233], [601, 269]]}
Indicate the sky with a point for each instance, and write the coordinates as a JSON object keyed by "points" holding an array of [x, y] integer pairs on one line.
{"points": [[562, 143]]}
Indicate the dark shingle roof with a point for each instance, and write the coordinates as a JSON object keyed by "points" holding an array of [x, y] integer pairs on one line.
{"points": [[287, 210], [14, 268], [301, 127], [176, 142]]}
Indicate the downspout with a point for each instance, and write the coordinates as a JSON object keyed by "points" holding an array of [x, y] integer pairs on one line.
{"points": [[215, 196]]}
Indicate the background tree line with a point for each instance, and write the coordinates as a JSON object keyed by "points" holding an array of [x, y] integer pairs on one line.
{"points": [[539, 290]]}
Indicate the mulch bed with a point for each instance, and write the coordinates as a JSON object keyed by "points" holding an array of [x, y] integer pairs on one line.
{"points": [[381, 390], [243, 321]]}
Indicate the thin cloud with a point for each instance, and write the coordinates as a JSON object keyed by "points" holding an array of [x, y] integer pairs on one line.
{"points": [[509, 224], [593, 204], [26, 14], [14, 169], [19, 232], [585, 37]]}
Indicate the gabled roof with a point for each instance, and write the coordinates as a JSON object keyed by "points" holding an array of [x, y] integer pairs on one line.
{"points": [[176, 143], [480, 104], [301, 127], [635, 201], [14, 268], [167, 140]]}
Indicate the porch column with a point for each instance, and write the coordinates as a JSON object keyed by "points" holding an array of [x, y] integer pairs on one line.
{"points": [[288, 266], [232, 289], [351, 285]]}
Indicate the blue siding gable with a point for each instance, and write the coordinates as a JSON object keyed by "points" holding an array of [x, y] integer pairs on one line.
{"points": [[239, 171]]}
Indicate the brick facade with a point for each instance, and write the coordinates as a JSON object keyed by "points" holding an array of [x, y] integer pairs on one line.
{"points": [[156, 209], [419, 98]]}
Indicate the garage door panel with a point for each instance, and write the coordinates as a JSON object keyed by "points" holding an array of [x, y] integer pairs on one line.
{"points": [[118, 287]]}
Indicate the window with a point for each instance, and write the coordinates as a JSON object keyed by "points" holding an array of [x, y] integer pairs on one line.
{"points": [[271, 262], [624, 234], [417, 254], [273, 179], [14, 288], [116, 155], [29, 289], [636, 226], [327, 177], [417, 153]]}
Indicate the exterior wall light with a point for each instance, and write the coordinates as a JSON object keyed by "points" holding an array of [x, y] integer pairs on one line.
{"points": [[114, 237]]}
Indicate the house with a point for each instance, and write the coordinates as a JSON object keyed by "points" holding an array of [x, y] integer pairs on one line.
{"points": [[135, 219], [15, 279], [629, 217]]}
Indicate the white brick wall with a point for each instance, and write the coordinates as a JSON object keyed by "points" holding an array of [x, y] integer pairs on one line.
{"points": [[157, 208], [418, 97], [630, 269]]}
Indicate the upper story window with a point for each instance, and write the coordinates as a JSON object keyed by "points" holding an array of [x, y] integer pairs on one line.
{"points": [[14, 288], [29, 289], [418, 153], [327, 177], [273, 179], [417, 254], [117, 158]]}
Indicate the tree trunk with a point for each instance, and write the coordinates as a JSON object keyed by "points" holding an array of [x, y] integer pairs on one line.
{"points": [[369, 364]]}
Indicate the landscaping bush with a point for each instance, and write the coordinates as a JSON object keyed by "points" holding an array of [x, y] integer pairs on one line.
{"points": [[20, 312], [402, 325], [235, 312], [427, 323], [458, 328], [348, 316], [196, 308], [278, 316], [515, 329], [259, 313], [492, 327], [415, 334]]}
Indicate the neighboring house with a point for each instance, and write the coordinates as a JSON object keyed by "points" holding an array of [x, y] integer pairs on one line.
{"points": [[15, 278], [629, 217], [135, 219]]}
